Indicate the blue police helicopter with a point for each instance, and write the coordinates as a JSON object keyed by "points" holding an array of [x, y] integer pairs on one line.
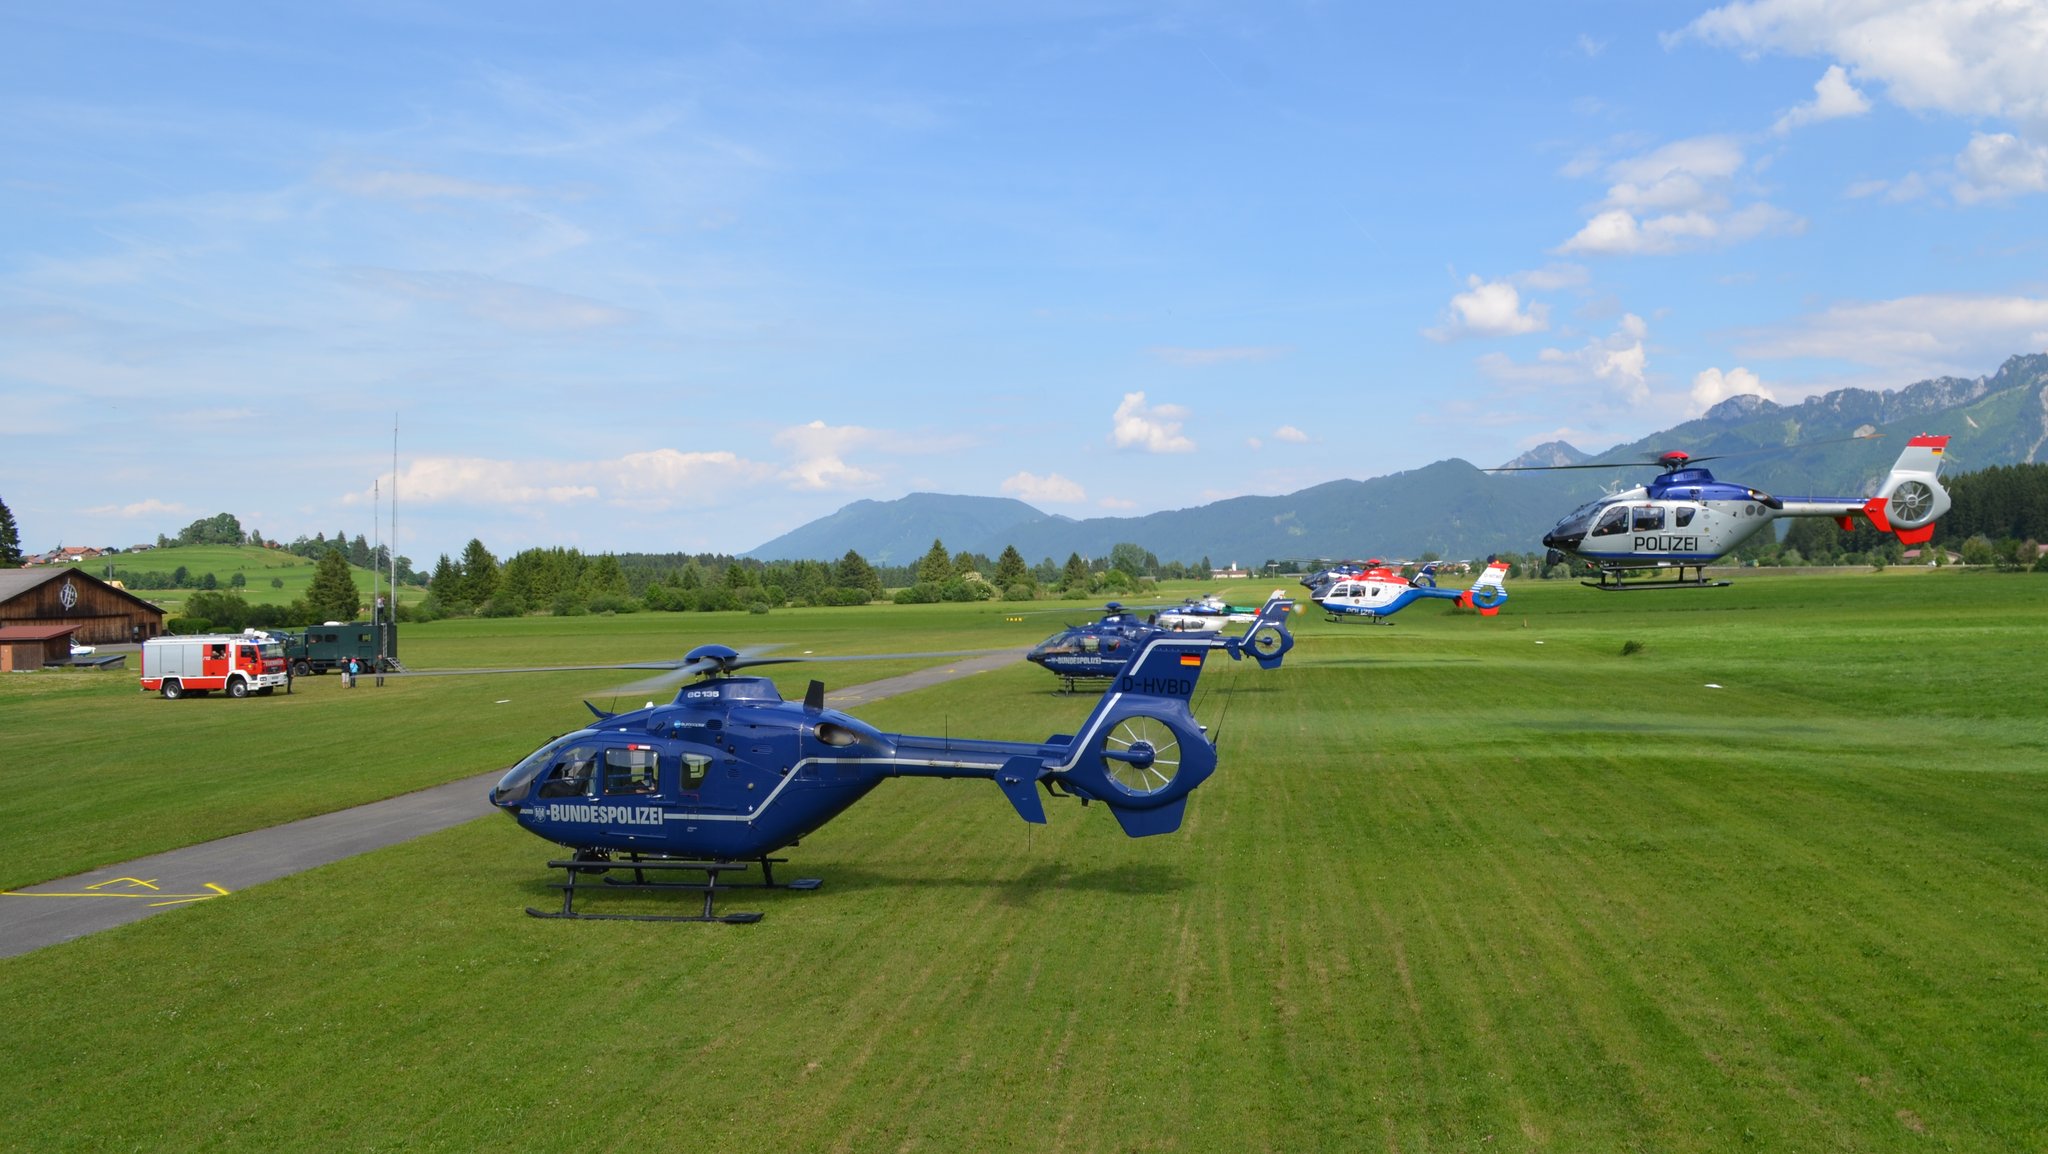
{"points": [[728, 773], [1099, 650]]}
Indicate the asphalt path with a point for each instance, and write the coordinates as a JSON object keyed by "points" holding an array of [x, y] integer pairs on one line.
{"points": [[41, 915]]}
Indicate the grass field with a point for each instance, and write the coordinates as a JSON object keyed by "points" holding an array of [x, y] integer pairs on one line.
{"points": [[258, 567], [1459, 884]]}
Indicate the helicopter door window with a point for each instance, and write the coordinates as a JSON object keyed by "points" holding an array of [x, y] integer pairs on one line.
{"points": [[695, 767], [1613, 521], [629, 771], [1682, 516], [1089, 644], [1649, 520], [571, 774]]}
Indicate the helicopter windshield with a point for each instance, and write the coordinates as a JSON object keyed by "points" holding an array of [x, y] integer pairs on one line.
{"points": [[1579, 519], [513, 785], [1060, 642]]}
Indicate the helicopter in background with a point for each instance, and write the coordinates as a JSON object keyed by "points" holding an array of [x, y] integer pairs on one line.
{"points": [[1099, 649], [728, 773], [1685, 519], [1376, 594]]}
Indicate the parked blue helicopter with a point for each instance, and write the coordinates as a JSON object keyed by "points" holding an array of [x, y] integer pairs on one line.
{"points": [[1100, 649], [728, 773]]}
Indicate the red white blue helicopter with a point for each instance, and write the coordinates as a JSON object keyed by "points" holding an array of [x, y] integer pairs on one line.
{"points": [[1376, 594], [728, 773], [1684, 518]]}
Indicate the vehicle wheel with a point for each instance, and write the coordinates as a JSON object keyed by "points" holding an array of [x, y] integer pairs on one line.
{"points": [[301, 669], [173, 690], [238, 688]]}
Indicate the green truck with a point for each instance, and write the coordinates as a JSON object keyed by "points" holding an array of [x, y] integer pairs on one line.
{"points": [[329, 646]]}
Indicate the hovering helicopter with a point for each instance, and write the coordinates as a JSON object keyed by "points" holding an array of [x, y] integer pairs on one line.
{"points": [[1684, 518], [1375, 595], [728, 773]]}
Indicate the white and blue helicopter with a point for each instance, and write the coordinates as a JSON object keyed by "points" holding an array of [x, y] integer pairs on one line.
{"points": [[1376, 593], [1685, 519]]}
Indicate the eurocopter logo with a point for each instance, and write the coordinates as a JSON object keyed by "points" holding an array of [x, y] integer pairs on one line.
{"points": [[600, 814], [68, 596]]}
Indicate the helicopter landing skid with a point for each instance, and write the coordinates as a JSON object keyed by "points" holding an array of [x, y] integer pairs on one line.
{"points": [[1076, 684], [1611, 581], [709, 887]]}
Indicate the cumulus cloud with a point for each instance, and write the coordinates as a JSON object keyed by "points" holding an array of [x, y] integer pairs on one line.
{"points": [[1489, 309], [1673, 198], [1712, 386], [1619, 362], [2000, 165], [1922, 335], [1833, 98], [147, 508], [1975, 59], [820, 456], [659, 478], [1050, 489], [1290, 434], [1154, 428]]}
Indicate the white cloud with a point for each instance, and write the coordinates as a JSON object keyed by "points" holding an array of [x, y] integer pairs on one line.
{"points": [[1620, 362], [1590, 46], [1967, 58], [1999, 165], [1712, 386], [1552, 277], [1155, 429], [1116, 503], [1961, 57], [660, 478], [148, 508], [1921, 335], [1290, 434], [1217, 356], [820, 451], [1674, 198], [1833, 98], [1490, 309], [1051, 489]]}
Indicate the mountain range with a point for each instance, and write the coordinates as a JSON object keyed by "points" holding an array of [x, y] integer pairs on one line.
{"points": [[1456, 509]]}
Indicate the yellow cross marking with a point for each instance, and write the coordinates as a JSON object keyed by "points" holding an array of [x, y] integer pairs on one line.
{"points": [[137, 888]]}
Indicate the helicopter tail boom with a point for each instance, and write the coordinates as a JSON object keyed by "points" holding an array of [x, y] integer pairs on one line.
{"points": [[1487, 593]]}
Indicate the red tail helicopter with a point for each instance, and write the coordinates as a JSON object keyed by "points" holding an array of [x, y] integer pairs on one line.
{"points": [[1377, 593], [1685, 519], [728, 773]]}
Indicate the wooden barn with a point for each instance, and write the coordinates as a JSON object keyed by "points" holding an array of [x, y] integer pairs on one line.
{"points": [[59, 595]]}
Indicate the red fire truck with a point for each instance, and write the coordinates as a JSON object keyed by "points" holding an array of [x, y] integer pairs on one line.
{"points": [[239, 664]]}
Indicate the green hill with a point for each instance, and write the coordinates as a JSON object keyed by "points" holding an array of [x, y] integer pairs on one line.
{"points": [[270, 576]]}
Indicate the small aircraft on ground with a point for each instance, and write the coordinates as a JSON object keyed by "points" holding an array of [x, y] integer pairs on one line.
{"points": [[728, 773], [1685, 519], [1376, 594]]}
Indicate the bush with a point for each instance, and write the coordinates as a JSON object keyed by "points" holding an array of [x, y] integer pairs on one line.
{"points": [[500, 607], [922, 593], [187, 626], [613, 603], [1021, 591], [846, 595], [757, 607]]}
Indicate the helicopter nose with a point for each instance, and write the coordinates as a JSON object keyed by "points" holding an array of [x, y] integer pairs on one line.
{"points": [[1563, 542]]}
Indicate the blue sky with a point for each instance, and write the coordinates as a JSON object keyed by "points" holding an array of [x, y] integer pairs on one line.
{"points": [[661, 277]]}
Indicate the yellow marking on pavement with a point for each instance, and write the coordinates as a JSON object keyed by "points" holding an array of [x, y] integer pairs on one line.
{"points": [[148, 890]]}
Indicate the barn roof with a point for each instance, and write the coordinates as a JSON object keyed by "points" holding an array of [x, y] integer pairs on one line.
{"points": [[37, 632], [15, 582]]}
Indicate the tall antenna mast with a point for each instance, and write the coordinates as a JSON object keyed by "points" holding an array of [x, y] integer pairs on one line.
{"points": [[394, 518]]}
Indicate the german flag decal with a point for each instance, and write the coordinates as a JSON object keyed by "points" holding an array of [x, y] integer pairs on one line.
{"points": [[1190, 659]]}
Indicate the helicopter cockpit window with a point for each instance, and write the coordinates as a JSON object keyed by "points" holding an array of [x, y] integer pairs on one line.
{"points": [[513, 785], [1614, 520], [629, 771], [1057, 643], [1649, 520], [571, 772], [1682, 516]]}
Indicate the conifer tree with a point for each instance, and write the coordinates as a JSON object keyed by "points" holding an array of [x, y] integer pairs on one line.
{"points": [[333, 596], [1076, 574], [1010, 568], [937, 566], [10, 539]]}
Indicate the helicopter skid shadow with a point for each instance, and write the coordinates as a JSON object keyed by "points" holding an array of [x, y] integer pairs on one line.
{"points": [[1148, 880]]}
